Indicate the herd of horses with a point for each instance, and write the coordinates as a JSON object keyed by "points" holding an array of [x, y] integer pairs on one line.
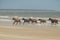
{"points": [[32, 20]]}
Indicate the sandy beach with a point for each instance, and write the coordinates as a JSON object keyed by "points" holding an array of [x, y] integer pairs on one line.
{"points": [[23, 32]]}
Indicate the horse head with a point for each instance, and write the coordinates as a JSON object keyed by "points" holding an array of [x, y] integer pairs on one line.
{"points": [[13, 18], [49, 19], [39, 19], [23, 18]]}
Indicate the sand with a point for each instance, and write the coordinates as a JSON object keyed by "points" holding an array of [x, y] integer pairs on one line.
{"points": [[25, 32]]}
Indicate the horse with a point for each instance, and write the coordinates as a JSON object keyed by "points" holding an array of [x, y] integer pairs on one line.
{"points": [[16, 20], [25, 20], [42, 20], [33, 20], [53, 21]]}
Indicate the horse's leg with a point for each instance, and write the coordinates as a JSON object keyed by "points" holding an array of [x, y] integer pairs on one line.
{"points": [[28, 22], [23, 22], [32, 22], [52, 22], [56, 23], [40, 22], [16, 23], [13, 22], [20, 22], [35, 21]]}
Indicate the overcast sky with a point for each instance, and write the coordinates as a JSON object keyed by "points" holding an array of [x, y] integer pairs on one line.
{"points": [[30, 4]]}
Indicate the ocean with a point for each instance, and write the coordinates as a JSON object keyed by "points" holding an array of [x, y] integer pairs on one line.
{"points": [[6, 15], [29, 14]]}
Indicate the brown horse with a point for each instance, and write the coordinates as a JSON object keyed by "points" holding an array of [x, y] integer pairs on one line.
{"points": [[25, 20], [53, 21], [16, 20], [33, 20], [42, 20]]}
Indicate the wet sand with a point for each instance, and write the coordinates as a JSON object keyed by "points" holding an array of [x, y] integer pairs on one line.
{"points": [[23, 32]]}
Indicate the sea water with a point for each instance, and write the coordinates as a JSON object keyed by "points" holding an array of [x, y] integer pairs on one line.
{"points": [[7, 15]]}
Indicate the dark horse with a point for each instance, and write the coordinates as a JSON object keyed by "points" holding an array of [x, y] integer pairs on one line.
{"points": [[42, 20], [16, 20], [33, 20], [25, 20], [53, 21], [29, 20]]}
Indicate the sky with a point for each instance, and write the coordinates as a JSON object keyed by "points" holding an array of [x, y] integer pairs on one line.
{"points": [[30, 4]]}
